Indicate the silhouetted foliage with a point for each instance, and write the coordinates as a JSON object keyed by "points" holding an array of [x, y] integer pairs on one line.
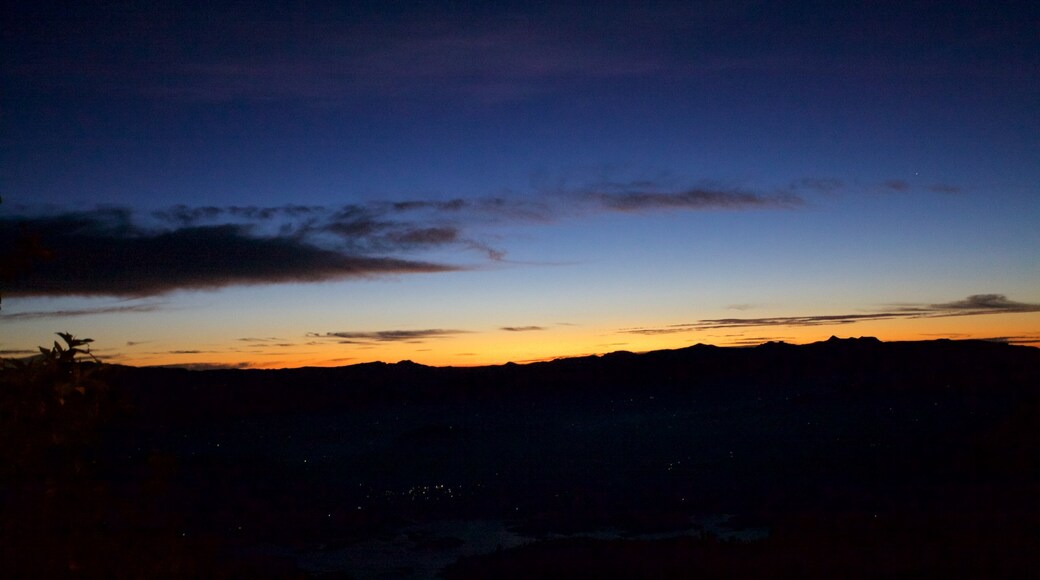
{"points": [[61, 511], [50, 408]]}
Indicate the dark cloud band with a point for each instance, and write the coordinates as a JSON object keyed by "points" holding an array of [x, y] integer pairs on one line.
{"points": [[104, 253]]}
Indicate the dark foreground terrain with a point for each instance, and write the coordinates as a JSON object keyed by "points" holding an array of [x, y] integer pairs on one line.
{"points": [[845, 458]]}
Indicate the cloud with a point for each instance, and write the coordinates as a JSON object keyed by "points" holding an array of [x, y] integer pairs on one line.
{"points": [[105, 253], [398, 225], [425, 236], [32, 315], [694, 199], [984, 303], [902, 186], [816, 320], [1029, 339], [896, 185], [451, 205], [265, 343], [522, 328], [331, 55], [338, 52], [17, 351], [186, 216], [371, 228], [349, 337], [974, 305], [655, 331], [438, 57], [202, 366], [113, 252]]}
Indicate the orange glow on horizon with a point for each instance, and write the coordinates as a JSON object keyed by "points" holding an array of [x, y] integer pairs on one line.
{"points": [[499, 346]]}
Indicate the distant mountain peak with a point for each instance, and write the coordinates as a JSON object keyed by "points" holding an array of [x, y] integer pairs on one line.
{"points": [[852, 339]]}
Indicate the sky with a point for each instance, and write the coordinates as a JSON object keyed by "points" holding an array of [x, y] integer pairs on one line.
{"points": [[281, 184]]}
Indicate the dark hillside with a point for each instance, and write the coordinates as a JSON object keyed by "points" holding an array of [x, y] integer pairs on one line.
{"points": [[913, 459]]}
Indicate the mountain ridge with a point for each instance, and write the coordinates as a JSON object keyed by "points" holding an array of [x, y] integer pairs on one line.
{"points": [[839, 365]]}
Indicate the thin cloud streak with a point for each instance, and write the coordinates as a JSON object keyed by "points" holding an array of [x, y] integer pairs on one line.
{"points": [[82, 312], [974, 305], [1024, 340], [352, 337], [522, 328], [197, 366], [982, 303], [694, 199]]}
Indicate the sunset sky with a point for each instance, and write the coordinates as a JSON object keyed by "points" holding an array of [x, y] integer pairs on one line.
{"points": [[259, 184]]}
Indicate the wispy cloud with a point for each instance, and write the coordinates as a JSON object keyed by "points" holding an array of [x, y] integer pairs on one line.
{"points": [[113, 252], [204, 366], [371, 228], [31, 315], [898, 185], [979, 304], [522, 328], [437, 58], [17, 352], [904, 186], [1027, 339], [337, 52], [352, 337], [974, 305], [832, 186], [693, 199]]}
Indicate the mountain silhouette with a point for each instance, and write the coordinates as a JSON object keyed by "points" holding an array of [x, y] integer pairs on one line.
{"points": [[841, 458]]}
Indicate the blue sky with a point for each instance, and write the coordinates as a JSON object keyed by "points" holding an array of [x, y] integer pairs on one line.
{"points": [[388, 180]]}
